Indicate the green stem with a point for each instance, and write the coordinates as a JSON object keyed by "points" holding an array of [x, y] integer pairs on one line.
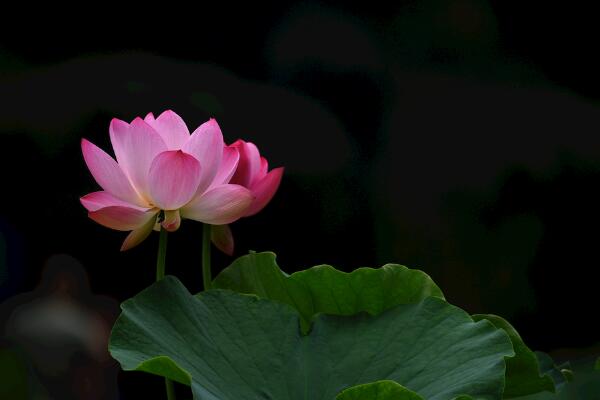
{"points": [[170, 389], [162, 254], [160, 274], [206, 275]]}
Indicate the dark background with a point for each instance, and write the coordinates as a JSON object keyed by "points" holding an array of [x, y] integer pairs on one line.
{"points": [[460, 137]]}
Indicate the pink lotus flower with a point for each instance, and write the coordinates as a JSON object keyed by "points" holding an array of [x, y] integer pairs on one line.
{"points": [[252, 173], [160, 166]]}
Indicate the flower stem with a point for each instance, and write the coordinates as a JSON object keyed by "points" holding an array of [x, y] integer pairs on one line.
{"points": [[160, 274], [162, 254], [206, 275], [170, 389]]}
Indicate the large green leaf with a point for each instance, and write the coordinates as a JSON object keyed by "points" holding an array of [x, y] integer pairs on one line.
{"points": [[380, 390], [324, 289], [523, 373], [229, 346]]}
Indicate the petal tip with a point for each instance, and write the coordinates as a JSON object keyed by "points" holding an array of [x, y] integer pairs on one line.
{"points": [[237, 144], [127, 244], [213, 123], [85, 144], [138, 121], [278, 170], [88, 149], [84, 200], [117, 121], [169, 114]]}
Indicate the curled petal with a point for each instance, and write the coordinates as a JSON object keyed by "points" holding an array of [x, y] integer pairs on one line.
{"points": [[219, 206], [136, 145], [138, 235], [97, 200], [206, 144], [122, 218], [249, 165], [264, 191], [173, 177], [222, 238], [171, 128], [172, 220], [108, 173]]}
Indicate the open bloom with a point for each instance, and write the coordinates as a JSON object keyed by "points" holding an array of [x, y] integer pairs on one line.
{"points": [[252, 173], [160, 166]]}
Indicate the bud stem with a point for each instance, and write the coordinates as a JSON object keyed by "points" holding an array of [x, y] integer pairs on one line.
{"points": [[206, 275]]}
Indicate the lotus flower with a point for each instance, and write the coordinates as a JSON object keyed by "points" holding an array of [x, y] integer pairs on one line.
{"points": [[252, 173], [161, 167]]}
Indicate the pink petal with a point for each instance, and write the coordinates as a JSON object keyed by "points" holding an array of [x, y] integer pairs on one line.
{"points": [[229, 163], [249, 164], [122, 218], [97, 200], [206, 144], [171, 128], [174, 177], [138, 235], [172, 220], [221, 205], [264, 191], [222, 238], [108, 173], [136, 145]]}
